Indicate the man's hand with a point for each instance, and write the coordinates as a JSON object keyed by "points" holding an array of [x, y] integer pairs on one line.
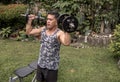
{"points": [[31, 17]]}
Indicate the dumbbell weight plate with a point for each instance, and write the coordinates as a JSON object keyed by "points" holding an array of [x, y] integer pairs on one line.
{"points": [[70, 24], [62, 17]]}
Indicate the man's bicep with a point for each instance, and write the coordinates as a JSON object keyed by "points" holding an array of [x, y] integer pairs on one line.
{"points": [[60, 37], [36, 31], [65, 38]]}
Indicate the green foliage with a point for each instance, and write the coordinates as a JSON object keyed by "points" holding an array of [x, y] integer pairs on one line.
{"points": [[90, 13], [70, 7], [5, 32], [11, 11], [115, 45], [21, 36], [45, 4], [10, 16]]}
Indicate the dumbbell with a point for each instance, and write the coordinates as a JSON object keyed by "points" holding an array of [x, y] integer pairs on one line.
{"points": [[69, 23], [38, 17]]}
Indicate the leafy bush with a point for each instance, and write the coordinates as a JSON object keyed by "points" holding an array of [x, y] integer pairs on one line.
{"points": [[22, 35], [5, 32], [10, 16], [115, 44]]}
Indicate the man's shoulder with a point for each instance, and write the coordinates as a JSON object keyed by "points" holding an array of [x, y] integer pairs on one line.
{"points": [[60, 31]]}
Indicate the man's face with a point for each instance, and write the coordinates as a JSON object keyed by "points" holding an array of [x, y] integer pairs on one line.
{"points": [[51, 21]]}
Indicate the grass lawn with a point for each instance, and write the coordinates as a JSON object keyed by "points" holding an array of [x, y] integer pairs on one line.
{"points": [[76, 65]]}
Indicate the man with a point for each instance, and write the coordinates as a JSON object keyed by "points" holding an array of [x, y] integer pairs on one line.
{"points": [[51, 39]]}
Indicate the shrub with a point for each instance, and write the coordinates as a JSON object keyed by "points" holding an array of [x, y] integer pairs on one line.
{"points": [[10, 16], [5, 32], [115, 44], [22, 36]]}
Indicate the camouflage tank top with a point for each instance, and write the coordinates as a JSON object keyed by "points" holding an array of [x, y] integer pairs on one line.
{"points": [[49, 51]]}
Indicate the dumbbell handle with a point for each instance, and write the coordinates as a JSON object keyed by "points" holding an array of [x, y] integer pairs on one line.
{"points": [[35, 16]]}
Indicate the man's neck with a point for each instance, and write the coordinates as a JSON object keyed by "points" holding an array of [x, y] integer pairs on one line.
{"points": [[51, 31]]}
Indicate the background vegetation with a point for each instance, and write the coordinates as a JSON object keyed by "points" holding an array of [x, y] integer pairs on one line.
{"points": [[10, 16], [93, 15], [115, 44]]}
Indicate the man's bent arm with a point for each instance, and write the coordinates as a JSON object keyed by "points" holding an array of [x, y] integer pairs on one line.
{"points": [[65, 38], [29, 29]]}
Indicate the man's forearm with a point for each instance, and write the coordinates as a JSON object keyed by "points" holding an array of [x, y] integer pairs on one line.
{"points": [[28, 27], [29, 23], [67, 38]]}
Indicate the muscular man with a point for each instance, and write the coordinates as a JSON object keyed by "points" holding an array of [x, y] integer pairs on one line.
{"points": [[51, 37]]}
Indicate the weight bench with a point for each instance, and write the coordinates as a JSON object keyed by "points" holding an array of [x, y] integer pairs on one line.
{"points": [[24, 72]]}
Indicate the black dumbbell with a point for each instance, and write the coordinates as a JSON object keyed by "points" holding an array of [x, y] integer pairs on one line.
{"points": [[68, 22]]}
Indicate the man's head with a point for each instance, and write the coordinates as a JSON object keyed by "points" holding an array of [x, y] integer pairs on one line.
{"points": [[52, 19], [55, 13]]}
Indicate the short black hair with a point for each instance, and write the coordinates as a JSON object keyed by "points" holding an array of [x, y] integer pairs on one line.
{"points": [[55, 13]]}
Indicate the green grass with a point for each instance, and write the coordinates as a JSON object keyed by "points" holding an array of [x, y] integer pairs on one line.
{"points": [[76, 65]]}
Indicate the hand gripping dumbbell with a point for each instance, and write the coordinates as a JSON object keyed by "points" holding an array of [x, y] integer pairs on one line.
{"points": [[33, 9]]}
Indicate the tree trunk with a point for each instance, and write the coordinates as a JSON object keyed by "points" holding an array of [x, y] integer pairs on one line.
{"points": [[102, 27]]}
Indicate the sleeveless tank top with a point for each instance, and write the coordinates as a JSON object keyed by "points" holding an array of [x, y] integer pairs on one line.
{"points": [[49, 51]]}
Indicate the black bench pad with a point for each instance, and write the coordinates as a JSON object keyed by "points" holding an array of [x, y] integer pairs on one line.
{"points": [[24, 71]]}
